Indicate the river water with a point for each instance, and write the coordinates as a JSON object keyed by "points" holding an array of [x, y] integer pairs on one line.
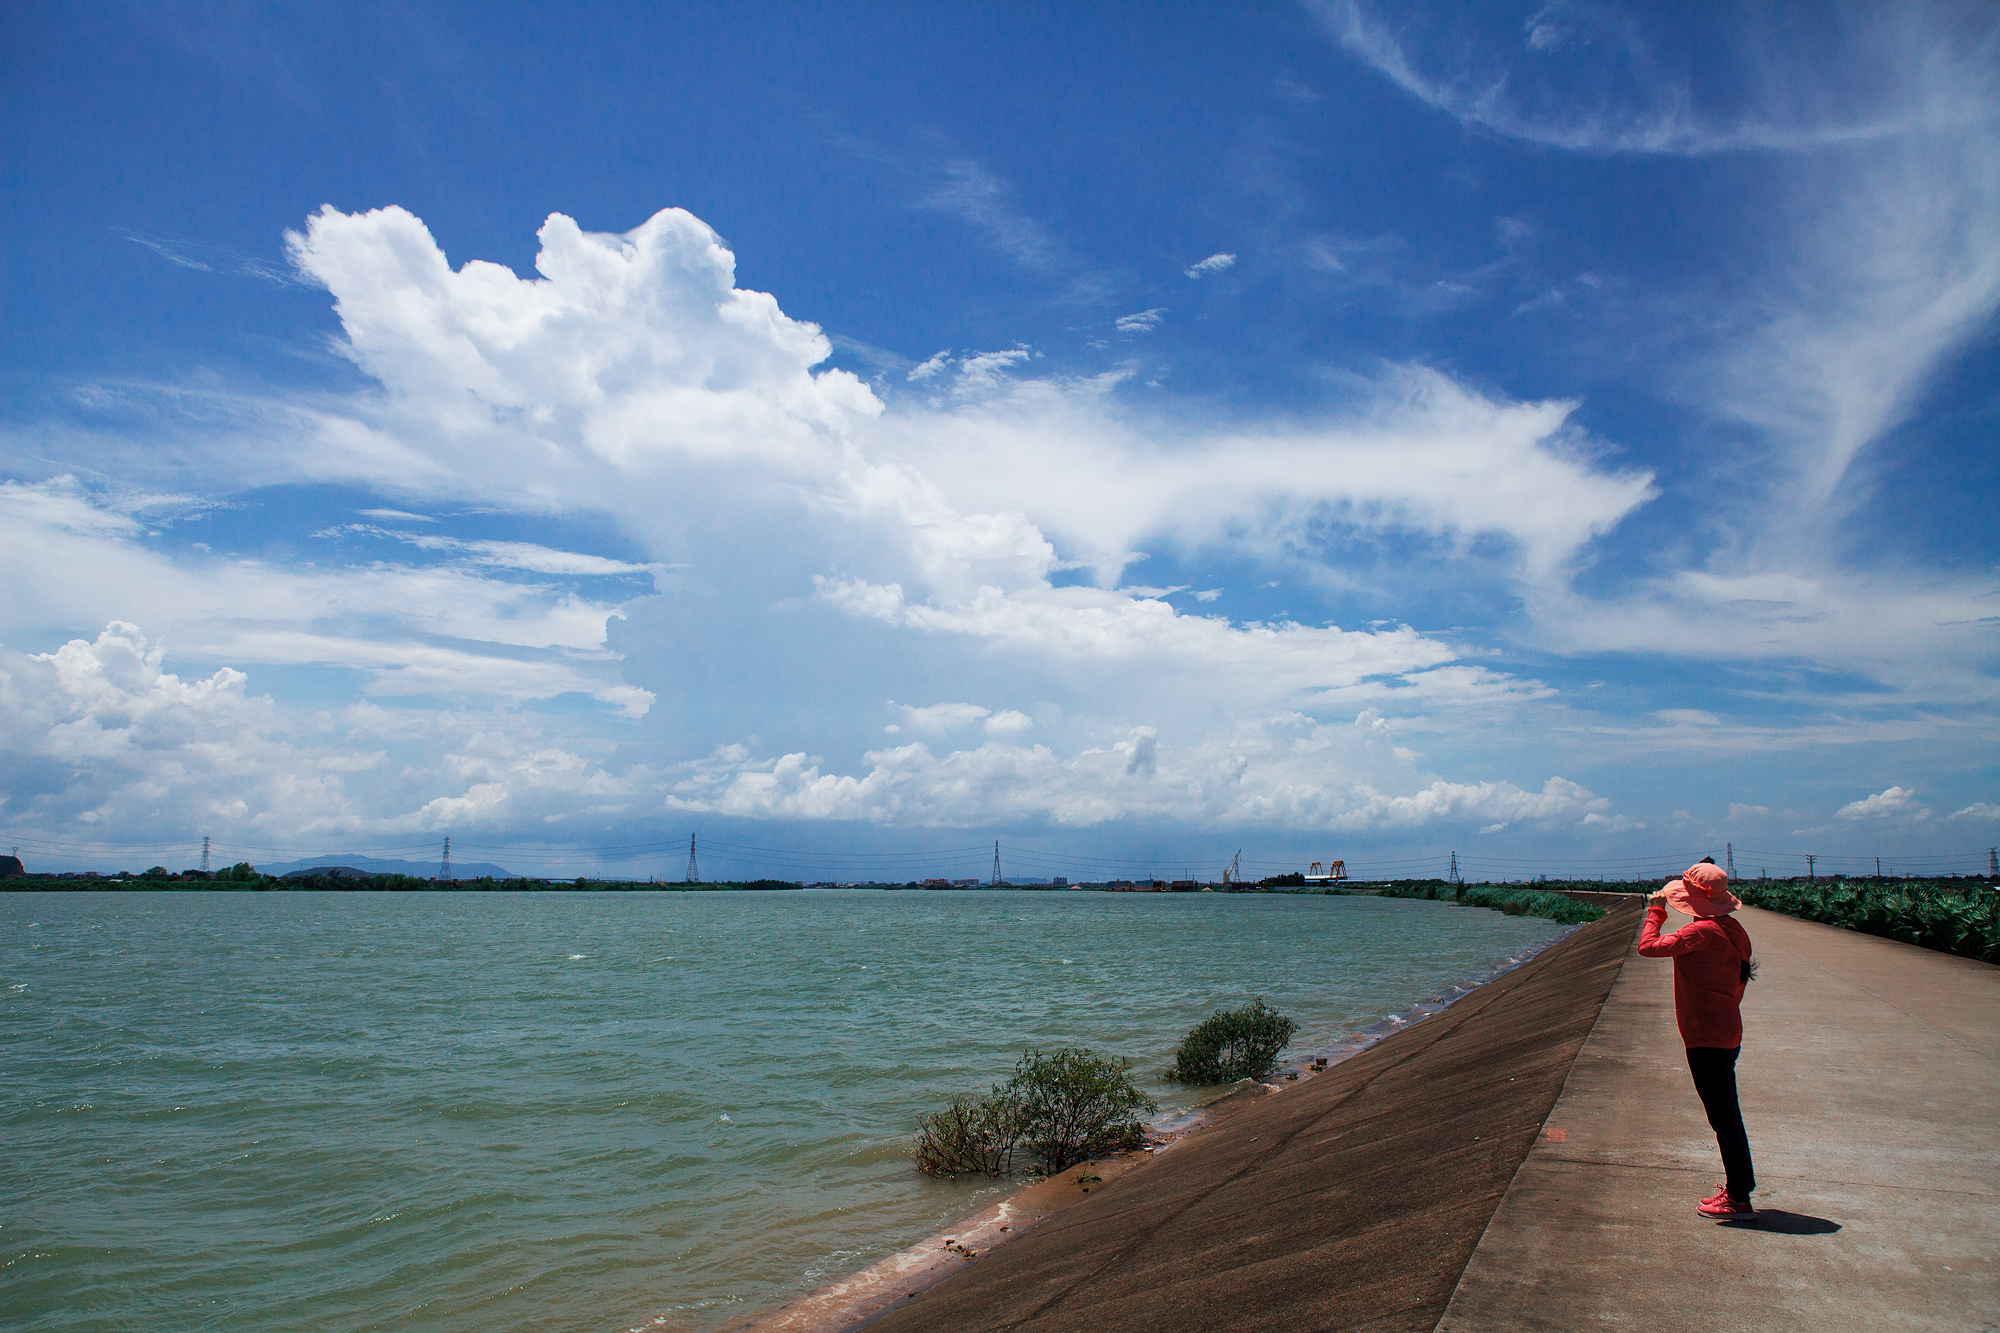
{"points": [[580, 1111]]}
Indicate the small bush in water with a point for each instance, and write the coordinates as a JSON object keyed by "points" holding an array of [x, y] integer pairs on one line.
{"points": [[1232, 1044], [1075, 1104], [974, 1136], [1061, 1108]]}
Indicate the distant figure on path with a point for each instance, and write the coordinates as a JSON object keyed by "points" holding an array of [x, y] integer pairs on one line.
{"points": [[1711, 966]]}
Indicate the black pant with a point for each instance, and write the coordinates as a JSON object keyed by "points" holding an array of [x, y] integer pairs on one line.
{"points": [[1714, 1070]]}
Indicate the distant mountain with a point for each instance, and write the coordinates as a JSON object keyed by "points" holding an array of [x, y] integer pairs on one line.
{"points": [[421, 869]]}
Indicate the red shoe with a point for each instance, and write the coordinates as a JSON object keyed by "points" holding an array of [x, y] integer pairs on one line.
{"points": [[1721, 1193], [1726, 1209]]}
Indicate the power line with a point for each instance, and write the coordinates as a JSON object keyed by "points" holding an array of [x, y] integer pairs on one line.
{"points": [[905, 863]]}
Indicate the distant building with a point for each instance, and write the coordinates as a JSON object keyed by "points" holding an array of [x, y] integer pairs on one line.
{"points": [[1059, 882]]}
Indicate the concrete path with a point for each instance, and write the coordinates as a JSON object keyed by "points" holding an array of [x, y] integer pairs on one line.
{"points": [[1870, 1082]]}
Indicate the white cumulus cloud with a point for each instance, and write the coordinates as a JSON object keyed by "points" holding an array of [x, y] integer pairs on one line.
{"points": [[1284, 771], [630, 379], [626, 348], [1891, 803], [101, 744]]}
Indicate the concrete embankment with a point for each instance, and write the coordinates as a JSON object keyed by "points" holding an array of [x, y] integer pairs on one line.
{"points": [[1352, 1201]]}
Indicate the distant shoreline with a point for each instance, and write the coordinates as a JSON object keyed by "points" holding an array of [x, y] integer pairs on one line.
{"points": [[368, 884], [349, 881]]}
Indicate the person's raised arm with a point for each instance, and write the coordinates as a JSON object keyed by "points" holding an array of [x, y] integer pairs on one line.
{"points": [[1651, 944]]}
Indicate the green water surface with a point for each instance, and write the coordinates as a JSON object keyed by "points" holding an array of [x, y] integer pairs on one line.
{"points": [[444, 1111]]}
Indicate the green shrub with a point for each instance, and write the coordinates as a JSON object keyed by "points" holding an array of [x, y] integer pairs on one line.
{"points": [[1513, 899], [974, 1136], [1062, 1108], [1231, 1044], [1075, 1104], [1964, 923]]}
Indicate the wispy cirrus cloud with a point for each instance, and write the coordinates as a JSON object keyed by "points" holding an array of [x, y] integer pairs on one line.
{"points": [[1878, 227], [528, 556], [447, 629], [1636, 100], [1891, 249], [212, 258], [966, 189]]}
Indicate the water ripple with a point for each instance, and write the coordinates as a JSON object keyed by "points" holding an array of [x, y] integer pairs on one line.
{"points": [[419, 1112]]}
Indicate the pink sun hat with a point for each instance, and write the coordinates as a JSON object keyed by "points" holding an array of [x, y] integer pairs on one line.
{"points": [[1702, 891]]}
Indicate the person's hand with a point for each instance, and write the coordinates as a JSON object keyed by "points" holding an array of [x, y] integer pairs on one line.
{"points": [[1659, 896]]}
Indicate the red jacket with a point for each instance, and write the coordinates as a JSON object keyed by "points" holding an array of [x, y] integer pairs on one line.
{"points": [[1708, 955]]}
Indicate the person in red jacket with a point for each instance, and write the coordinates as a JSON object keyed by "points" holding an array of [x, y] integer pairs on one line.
{"points": [[1711, 966]]}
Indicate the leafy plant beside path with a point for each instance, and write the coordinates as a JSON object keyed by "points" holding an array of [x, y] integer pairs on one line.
{"points": [[1062, 1108], [1964, 923]]}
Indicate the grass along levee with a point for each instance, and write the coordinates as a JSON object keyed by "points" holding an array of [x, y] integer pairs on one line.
{"points": [[1512, 899], [1960, 914], [1952, 916]]}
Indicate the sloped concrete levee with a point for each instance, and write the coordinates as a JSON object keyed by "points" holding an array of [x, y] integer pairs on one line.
{"points": [[1870, 1083], [1350, 1202]]}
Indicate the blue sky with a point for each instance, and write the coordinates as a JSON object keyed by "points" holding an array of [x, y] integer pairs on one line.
{"points": [[1561, 434]]}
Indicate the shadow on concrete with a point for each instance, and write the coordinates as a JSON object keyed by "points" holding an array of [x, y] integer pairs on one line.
{"points": [[1782, 1223]]}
